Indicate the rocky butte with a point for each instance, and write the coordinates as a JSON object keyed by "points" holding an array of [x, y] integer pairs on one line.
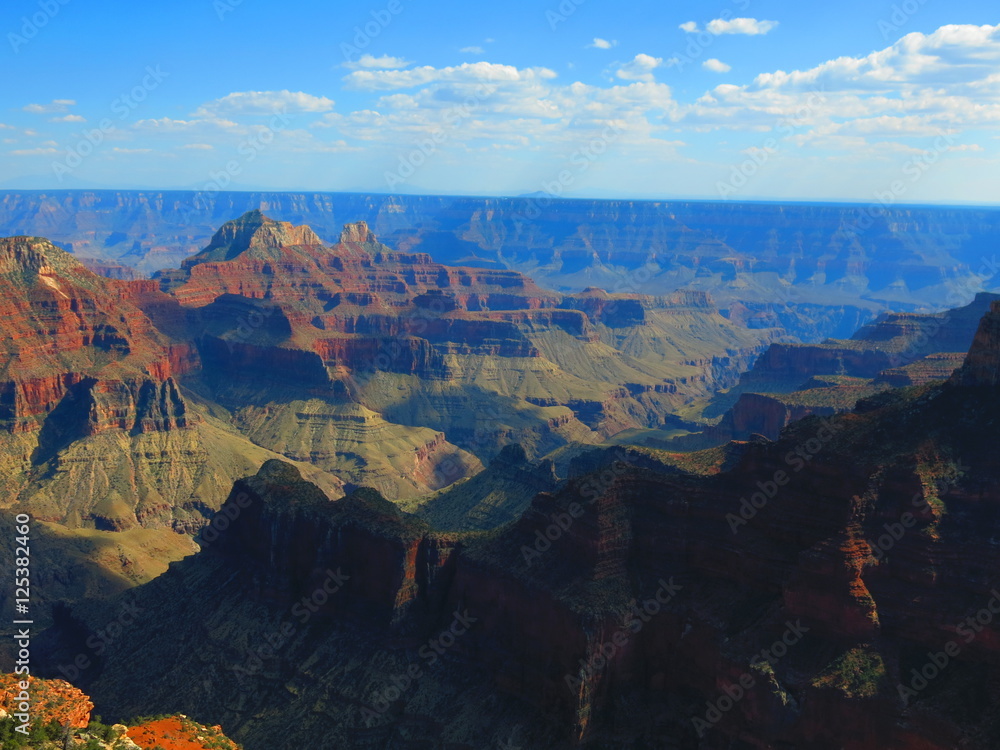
{"points": [[835, 588], [818, 270], [95, 427], [792, 381], [394, 371], [129, 407]]}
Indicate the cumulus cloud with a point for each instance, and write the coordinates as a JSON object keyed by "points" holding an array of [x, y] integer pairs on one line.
{"points": [[749, 26], [599, 43], [716, 66], [43, 151], [473, 50], [384, 62], [640, 68], [923, 86], [953, 56], [171, 125], [264, 103], [56, 105], [503, 109], [689, 26], [474, 73]]}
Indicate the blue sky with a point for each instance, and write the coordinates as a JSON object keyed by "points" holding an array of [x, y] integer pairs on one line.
{"points": [[737, 99]]}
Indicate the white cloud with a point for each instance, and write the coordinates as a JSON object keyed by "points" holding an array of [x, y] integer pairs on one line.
{"points": [[689, 26], [640, 68], [68, 118], [922, 87], [118, 150], [170, 125], [385, 62], [46, 151], [264, 103], [749, 26], [473, 50], [950, 57], [603, 43], [198, 146], [524, 111], [474, 73], [716, 66], [56, 105]]}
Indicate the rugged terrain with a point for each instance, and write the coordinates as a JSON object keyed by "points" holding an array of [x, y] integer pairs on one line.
{"points": [[394, 371], [376, 367], [61, 720], [833, 589], [792, 381], [95, 429], [819, 269]]}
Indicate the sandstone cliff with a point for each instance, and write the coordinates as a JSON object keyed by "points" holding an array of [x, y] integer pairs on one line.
{"points": [[330, 354], [95, 427], [818, 574]]}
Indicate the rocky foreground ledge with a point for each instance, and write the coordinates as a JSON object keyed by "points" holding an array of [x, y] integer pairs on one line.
{"points": [[61, 720]]}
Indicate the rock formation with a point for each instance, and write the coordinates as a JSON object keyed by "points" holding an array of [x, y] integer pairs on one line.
{"points": [[50, 700], [982, 366], [787, 593], [95, 429], [816, 270], [368, 346], [61, 718], [791, 381]]}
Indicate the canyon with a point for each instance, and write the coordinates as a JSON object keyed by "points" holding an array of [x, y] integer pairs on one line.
{"points": [[792, 381], [817, 270], [831, 589], [135, 403], [360, 494]]}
